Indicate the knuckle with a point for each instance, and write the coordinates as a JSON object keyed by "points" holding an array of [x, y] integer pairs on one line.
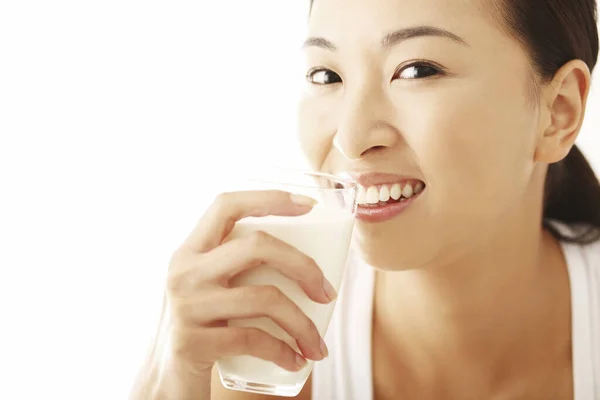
{"points": [[226, 342], [272, 295], [221, 345], [175, 284], [263, 298], [180, 344], [257, 239], [185, 272], [178, 282], [194, 312], [253, 295], [193, 345], [177, 259], [250, 338], [177, 309], [222, 200]]}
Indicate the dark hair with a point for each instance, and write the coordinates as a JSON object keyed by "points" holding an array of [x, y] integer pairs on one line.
{"points": [[554, 32]]}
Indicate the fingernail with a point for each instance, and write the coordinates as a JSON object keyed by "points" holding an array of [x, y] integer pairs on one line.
{"points": [[329, 290], [302, 200], [323, 348], [300, 361]]}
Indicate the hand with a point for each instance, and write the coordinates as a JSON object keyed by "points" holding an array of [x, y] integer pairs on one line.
{"points": [[201, 301]]}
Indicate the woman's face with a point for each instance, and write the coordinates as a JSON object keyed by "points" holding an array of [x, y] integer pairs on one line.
{"points": [[430, 91]]}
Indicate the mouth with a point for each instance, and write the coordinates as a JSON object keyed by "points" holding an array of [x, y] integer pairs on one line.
{"points": [[382, 197]]}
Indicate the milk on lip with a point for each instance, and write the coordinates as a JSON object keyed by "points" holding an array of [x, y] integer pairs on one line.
{"points": [[323, 234]]}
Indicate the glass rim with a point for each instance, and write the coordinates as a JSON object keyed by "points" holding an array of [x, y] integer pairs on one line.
{"points": [[347, 184]]}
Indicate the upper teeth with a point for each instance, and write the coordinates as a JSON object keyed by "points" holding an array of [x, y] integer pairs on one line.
{"points": [[419, 187], [374, 194], [396, 191], [384, 193], [361, 197]]}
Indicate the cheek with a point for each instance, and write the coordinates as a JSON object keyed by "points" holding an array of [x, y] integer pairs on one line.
{"points": [[475, 148], [315, 129]]}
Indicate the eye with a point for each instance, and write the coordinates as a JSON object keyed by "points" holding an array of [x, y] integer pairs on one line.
{"points": [[417, 71], [322, 76]]}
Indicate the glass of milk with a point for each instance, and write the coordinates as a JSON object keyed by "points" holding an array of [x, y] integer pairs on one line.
{"points": [[323, 234]]}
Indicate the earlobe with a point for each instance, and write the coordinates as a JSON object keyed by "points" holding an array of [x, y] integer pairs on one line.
{"points": [[566, 98]]}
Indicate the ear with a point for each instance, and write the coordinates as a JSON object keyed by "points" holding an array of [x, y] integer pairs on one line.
{"points": [[562, 112]]}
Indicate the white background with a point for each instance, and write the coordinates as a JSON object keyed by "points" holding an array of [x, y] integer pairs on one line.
{"points": [[115, 120]]}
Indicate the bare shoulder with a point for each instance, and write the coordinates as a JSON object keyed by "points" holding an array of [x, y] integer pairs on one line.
{"points": [[218, 392]]}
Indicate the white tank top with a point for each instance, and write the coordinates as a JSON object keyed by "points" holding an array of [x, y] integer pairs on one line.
{"points": [[347, 375]]}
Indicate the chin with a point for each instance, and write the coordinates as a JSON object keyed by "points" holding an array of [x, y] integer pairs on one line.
{"points": [[387, 252]]}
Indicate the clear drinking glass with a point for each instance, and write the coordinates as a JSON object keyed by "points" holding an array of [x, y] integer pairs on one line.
{"points": [[323, 234]]}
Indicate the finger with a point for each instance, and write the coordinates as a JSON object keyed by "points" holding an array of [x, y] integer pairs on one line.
{"points": [[258, 301], [228, 208], [243, 253], [234, 341]]}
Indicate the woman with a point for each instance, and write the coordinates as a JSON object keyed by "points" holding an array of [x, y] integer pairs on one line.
{"points": [[487, 286]]}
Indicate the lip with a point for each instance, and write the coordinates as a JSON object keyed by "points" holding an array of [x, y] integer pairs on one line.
{"points": [[388, 211], [385, 212]]}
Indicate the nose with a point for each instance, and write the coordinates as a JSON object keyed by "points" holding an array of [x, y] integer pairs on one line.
{"points": [[365, 123]]}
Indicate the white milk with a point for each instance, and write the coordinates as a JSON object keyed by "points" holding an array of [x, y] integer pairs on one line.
{"points": [[323, 234]]}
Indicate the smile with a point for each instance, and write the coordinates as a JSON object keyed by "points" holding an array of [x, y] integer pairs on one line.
{"points": [[382, 197]]}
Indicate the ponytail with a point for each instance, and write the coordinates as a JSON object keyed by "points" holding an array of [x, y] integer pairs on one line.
{"points": [[572, 196]]}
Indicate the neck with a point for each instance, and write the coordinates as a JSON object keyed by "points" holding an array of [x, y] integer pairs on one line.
{"points": [[496, 310]]}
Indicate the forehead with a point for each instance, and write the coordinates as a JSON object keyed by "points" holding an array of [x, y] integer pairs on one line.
{"points": [[367, 21]]}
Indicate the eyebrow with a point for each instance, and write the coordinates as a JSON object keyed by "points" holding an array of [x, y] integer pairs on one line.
{"points": [[394, 38], [401, 35], [319, 42]]}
